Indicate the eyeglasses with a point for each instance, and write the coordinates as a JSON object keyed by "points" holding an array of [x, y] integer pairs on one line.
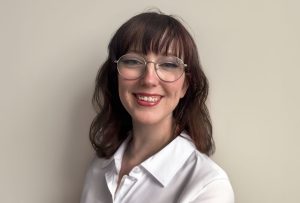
{"points": [[167, 68]]}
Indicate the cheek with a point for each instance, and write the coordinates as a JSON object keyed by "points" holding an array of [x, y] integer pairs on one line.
{"points": [[124, 88], [182, 88], [177, 92], [121, 91], [182, 93]]}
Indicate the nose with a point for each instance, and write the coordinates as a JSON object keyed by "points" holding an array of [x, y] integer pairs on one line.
{"points": [[150, 77]]}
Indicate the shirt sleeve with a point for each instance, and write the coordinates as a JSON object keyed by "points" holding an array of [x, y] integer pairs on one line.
{"points": [[218, 191]]}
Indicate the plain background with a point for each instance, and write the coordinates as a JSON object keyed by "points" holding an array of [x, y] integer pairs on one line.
{"points": [[50, 52]]}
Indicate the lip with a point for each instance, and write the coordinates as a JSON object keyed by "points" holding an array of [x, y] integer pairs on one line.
{"points": [[147, 99]]}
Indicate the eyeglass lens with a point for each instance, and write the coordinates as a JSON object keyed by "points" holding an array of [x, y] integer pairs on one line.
{"points": [[168, 68]]}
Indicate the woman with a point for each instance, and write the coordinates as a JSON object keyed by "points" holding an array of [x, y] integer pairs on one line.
{"points": [[153, 133]]}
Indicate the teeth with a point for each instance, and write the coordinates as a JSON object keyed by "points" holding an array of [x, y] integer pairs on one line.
{"points": [[148, 99]]}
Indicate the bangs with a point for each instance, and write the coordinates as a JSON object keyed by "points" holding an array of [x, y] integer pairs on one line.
{"points": [[163, 41], [154, 33]]}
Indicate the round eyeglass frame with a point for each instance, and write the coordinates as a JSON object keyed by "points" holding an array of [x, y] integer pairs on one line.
{"points": [[155, 68]]}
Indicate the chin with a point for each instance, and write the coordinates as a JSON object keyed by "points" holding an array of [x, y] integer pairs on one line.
{"points": [[150, 118], [146, 121]]}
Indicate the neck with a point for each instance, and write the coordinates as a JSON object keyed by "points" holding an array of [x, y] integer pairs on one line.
{"points": [[149, 139]]}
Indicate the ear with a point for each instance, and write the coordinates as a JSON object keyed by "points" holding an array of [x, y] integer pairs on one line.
{"points": [[184, 88]]}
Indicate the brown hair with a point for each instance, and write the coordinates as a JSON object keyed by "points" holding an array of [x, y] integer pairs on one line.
{"points": [[150, 32]]}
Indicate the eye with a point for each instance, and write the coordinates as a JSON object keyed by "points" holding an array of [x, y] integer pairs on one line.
{"points": [[168, 65], [131, 62]]}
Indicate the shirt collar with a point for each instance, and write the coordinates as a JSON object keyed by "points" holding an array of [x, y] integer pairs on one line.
{"points": [[165, 164], [118, 155]]}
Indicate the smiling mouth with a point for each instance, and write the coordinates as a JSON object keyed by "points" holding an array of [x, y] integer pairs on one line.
{"points": [[147, 99]]}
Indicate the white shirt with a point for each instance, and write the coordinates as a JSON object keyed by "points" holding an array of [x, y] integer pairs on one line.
{"points": [[177, 173]]}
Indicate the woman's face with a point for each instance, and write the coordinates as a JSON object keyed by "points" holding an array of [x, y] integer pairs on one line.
{"points": [[149, 100]]}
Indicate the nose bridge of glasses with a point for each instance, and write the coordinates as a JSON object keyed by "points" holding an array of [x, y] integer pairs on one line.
{"points": [[149, 62], [148, 71]]}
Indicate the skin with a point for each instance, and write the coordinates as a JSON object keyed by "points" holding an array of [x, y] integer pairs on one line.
{"points": [[152, 120]]}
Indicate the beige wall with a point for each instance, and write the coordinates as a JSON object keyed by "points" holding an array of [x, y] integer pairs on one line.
{"points": [[50, 52]]}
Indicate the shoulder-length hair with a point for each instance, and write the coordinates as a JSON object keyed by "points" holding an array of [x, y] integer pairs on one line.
{"points": [[157, 33]]}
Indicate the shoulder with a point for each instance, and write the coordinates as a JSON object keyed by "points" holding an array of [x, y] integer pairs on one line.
{"points": [[94, 187], [206, 169], [95, 173], [97, 166], [207, 180], [210, 181], [203, 167]]}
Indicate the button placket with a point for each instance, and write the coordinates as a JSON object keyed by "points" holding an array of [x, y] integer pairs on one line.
{"points": [[126, 184]]}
